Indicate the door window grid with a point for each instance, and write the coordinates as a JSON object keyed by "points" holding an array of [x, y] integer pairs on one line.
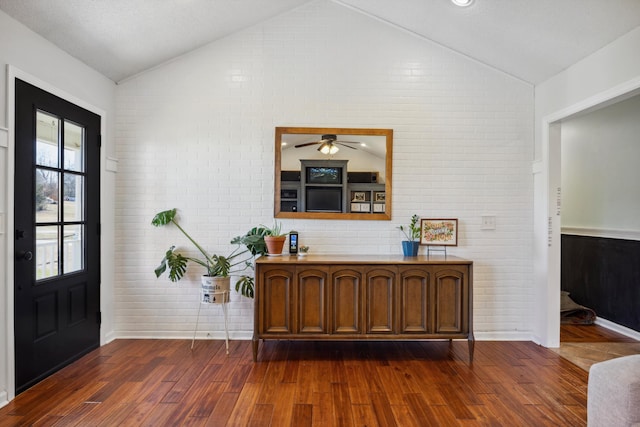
{"points": [[59, 196]]}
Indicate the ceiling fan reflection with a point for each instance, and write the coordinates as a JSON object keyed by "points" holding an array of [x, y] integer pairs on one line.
{"points": [[328, 144]]}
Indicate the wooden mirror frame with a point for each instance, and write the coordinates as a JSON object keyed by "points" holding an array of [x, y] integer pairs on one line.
{"points": [[387, 133]]}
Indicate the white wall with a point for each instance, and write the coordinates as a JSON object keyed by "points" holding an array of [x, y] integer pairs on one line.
{"points": [[38, 61], [198, 134], [612, 69], [600, 173], [612, 72]]}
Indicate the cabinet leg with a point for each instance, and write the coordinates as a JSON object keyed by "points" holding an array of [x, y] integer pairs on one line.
{"points": [[471, 345], [255, 349]]}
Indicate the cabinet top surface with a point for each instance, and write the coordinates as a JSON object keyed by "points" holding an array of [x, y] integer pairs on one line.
{"points": [[361, 259]]}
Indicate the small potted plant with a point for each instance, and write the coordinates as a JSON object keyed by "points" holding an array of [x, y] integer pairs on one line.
{"points": [[412, 233], [219, 268], [303, 250], [275, 238]]}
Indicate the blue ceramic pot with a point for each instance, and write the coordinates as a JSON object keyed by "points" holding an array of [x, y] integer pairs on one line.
{"points": [[410, 248]]}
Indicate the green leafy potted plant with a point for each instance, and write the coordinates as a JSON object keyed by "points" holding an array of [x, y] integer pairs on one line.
{"points": [[219, 268], [275, 238], [412, 233]]}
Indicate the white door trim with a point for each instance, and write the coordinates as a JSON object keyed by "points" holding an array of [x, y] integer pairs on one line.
{"points": [[546, 209]]}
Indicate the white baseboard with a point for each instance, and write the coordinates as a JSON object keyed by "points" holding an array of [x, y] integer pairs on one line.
{"points": [[618, 328], [4, 399], [180, 335], [109, 337], [248, 335], [503, 336]]}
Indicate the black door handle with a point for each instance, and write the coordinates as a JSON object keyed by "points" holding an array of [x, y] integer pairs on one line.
{"points": [[26, 255]]}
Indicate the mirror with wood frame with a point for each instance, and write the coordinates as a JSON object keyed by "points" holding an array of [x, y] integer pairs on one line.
{"points": [[333, 173]]}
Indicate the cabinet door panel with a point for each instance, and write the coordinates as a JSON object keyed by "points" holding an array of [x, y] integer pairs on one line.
{"points": [[450, 302], [311, 316], [277, 300], [345, 304], [414, 301], [379, 300]]}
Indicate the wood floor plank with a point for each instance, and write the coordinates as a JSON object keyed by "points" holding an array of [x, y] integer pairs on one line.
{"points": [[269, 388], [205, 405], [322, 409], [143, 408], [394, 389], [443, 416], [420, 409], [302, 415], [282, 407], [305, 384], [72, 418], [261, 415], [357, 384], [484, 416], [322, 376], [163, 382], [456, 401], [223, 410], [291, 371], [258, 372], [225, 370], [98, 412], [374, 383], [383, 411], [63, 405], [590, 333], [364, 415], [239, 377], [342, 412], [115, 416], [404, 417], [243, 409]]}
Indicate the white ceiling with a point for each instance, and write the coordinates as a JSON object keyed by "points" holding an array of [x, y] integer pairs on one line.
{"points": [[529, 39]]}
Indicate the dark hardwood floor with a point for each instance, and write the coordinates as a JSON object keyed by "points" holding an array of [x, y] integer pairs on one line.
{"points": [[164, 383], [590, 333]]}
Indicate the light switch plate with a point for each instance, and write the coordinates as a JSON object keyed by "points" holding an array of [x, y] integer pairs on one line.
{"points": [[488, 222], [112, 164]]}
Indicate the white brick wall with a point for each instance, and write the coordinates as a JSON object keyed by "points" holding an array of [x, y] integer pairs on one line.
{"points": [[197, 134]]}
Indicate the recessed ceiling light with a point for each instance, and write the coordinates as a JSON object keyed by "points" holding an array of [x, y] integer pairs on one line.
{"points": [[462, 3]]}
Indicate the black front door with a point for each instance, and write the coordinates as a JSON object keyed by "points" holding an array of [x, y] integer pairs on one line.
{"points": [[57, 233]]}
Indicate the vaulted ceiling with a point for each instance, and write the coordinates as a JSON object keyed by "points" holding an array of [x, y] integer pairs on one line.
{"points": [[529, 39]]}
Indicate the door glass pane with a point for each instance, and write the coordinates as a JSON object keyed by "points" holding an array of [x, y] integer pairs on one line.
{"points": [[47, 195], [73, 248], [73, 147], [59, 196], [73, 206], [47, 136], [47, 238]]}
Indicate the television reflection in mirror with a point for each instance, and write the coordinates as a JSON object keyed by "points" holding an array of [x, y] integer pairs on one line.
{"points": [[312, 182]]}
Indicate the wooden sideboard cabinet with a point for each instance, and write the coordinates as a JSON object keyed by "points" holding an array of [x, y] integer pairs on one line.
{"points": [[346, 297]]}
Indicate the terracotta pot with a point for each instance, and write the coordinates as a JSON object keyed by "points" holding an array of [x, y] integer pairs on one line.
{"points": [[275, 244]]}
